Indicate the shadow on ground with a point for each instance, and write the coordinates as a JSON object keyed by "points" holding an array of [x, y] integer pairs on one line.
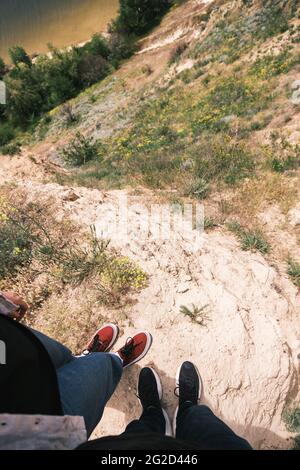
{"points": [[126, 402]]}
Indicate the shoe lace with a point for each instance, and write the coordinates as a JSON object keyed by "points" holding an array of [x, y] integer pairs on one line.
{"points": [[129, 347], [96, 344]]}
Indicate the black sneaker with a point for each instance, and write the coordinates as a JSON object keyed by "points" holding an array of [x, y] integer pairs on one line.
{"points": [[188, 387], [149, 391]]}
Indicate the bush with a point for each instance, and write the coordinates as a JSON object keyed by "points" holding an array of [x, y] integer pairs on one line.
{"points": [[294, 272], [121, 47], [198, 188], [18, 56], [139, 16], [11, 149], [80, 151], [2, 68], [224, 159], [7, 133], [17, 239], [98, 46], [252, 240], [177, 52]]}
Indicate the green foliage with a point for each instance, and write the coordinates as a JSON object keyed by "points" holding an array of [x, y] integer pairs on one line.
{"points": [[122, 274], [198, 188], [20, 238], [210, 223], [2, 68], [31, 243], [223, 158], [294, 271], [7, 133], [139, 16], [271, 65], [35, 88], [11, 149], [80, 151], [18, 56], [281, 154], [121, 47], [252, 240], [197, 315], [98, 46], [291, 418]]}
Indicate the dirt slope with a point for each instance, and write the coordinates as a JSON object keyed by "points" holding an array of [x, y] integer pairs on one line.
{"points": [[247, 347]]}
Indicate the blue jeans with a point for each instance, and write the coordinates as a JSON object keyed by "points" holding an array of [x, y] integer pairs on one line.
{"points": [[85, 383]]}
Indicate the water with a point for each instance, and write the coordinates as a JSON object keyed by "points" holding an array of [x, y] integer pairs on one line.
{"points": [[33, 24]]}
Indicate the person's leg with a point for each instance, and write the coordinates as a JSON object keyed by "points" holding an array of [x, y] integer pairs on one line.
{"points": [[151, 420], [154, 418], [59, 354], [198, 424], [87, 384]]}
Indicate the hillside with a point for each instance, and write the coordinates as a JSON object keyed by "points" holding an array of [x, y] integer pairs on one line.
{"points": [[205, 112]]}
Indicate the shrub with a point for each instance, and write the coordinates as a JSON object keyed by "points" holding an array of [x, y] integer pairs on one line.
{"points": [[177, 52], [68, 114], [11, 149], [210, 223], [121, 47], [18, 237], [7, 133], [92, 69], [199, 188], [80, 151], [98, 46], [294, 271], [249, 239], [147, 70], [122, 274], [18, 56], [2, 68], [224, 159], [291, 418], [139, 16], [198, 315]]}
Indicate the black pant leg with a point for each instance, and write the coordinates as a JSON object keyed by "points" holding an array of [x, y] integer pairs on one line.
{"points": [[152, 420], [199, 425]]}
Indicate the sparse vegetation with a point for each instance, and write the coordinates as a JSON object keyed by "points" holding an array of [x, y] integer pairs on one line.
{"points": [[294, 271], [197, 315], [80, 151], [252, 240], [177, 52], [291, 418], [34, 246], [210, 223]]}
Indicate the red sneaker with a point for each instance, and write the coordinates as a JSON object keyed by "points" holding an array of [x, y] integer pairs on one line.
{"points": [[104, 339], [135, 348]]}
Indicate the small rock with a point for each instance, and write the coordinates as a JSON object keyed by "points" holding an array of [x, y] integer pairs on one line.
{"points": [[182, 288], [70, 196], [228, 119], [296, 85]]}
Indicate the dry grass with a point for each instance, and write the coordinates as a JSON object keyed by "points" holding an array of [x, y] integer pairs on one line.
{"points": [[73, 283], [252, 196]]}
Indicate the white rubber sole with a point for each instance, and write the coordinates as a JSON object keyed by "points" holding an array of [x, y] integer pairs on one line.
{"points": [[177, 385], [168, 431], [146, 350]]}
